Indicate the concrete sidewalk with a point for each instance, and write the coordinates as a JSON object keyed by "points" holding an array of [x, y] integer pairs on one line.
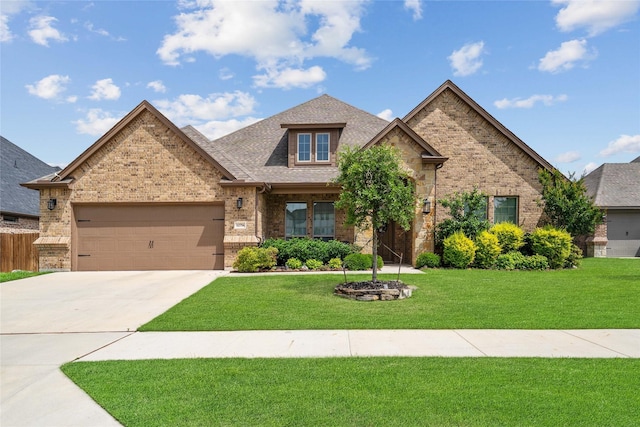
{"points": [[601, 343]]}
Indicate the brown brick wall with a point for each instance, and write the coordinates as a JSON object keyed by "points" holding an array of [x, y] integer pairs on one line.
{"points": [[146, 162], [479, 156]]}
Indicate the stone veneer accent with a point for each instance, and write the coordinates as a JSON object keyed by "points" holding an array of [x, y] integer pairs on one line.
{"points": [[479, 156], [596, 245]]}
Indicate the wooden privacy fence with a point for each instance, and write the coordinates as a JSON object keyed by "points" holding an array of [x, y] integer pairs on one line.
{"points": [[17, 252]]}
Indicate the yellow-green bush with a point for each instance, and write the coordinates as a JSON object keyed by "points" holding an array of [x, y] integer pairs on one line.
{"points": [[552, 243], [487, 249], [251, 259], [459, 250], [510, 236]]}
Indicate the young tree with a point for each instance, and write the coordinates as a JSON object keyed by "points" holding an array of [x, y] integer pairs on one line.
{"points": [[467, 213], [375, 190], [566, 203]]}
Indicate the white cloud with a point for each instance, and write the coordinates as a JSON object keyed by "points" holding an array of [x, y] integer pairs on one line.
{"points": [[194, 109], [97, 122], [568, 157], [50, 87], [278, 34], [105, 89], [386, 115], [225, 74], [466, 60], [9, 8], [288, 78], [42, 30], [566, 56], [596, 16], [624, 144], [157, 86], [589, 167], [416, 7], [547, 100], [215, 128]]}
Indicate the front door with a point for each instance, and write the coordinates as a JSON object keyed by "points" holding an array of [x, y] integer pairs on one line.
{"points": [[393, 243]]}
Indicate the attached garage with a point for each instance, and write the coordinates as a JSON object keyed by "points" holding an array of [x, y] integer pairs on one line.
{"points": [[623, 233], [148, 237]]}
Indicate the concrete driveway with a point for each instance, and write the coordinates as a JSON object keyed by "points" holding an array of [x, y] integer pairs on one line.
{"points": [[49, 320]]}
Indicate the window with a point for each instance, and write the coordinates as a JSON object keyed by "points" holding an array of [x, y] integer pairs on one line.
{"points": [[322, 147], [304, 147], [296, 220], [505, 209], [8, 218], [324, 220]]}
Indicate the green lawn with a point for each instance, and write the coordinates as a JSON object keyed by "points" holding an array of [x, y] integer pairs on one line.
{"points": [[16, 275], [603, 293], [365, 391]]}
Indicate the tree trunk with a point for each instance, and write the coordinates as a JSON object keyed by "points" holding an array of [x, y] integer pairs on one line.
{"points": [[374, 276]]}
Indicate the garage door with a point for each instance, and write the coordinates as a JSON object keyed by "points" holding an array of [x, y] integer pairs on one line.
{"points": [[623, 233], [148, 237]]}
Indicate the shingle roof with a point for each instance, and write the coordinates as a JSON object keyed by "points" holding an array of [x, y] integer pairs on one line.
{"points": [[615, 185], [18, 166], [259, 151]]}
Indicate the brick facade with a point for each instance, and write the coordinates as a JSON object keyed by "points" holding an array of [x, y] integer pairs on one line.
{"points": [[22, 225], [480, 156]]}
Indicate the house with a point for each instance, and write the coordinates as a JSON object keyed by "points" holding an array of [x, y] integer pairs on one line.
{"points": [[615, 188], [148, 195], [19, 207]]}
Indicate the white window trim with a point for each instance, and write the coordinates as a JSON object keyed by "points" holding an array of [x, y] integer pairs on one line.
{"points": [[310, 148], [328, 147]]}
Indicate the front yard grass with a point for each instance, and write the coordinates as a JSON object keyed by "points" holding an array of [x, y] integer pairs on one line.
{"points": [[17, 275], [603, 293], [365, 391]]}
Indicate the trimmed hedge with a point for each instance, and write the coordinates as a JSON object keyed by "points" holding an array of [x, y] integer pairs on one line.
{"points": [[428, 259], [251, 259], [487, 249], [359, 261], [305, 249], [556, 245], [510, 236]]}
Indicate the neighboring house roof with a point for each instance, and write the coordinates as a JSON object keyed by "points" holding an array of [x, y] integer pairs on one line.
{"points": [[615, 185], [262, 148], [18, 166], [449, 85]]}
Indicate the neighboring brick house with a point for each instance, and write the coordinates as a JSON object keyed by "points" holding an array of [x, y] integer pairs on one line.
{"points": [[148, 195], [19, 207], [615, 188]]}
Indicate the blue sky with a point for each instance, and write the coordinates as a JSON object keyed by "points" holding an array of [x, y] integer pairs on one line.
{"points": [[563, 75]]}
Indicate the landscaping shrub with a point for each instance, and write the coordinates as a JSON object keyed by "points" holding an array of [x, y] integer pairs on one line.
{"points": [[574, 258], [357, 262], [554, 244], [510, 236], [361, 262], [305, 249], [487, 249], [459, 250], [534, 262], [313, 264], [251, 259], [335, 263], [428, 259], [510, 261], [294, 263]]}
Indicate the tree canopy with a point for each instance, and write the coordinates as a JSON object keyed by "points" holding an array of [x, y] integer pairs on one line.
{"points": [[375, 190], [567, 205]]}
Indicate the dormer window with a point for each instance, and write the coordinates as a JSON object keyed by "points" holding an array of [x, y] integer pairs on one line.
{"points": [[313, 144], [304, 147], [322, 147]]}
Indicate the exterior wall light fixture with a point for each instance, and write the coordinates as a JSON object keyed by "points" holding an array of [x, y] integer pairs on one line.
{"points": [[426, 206], [239, 203], [51, 204]]}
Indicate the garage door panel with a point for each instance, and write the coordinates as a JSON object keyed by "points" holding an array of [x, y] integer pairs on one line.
{"points": [[146, 237], [623, 233]]}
